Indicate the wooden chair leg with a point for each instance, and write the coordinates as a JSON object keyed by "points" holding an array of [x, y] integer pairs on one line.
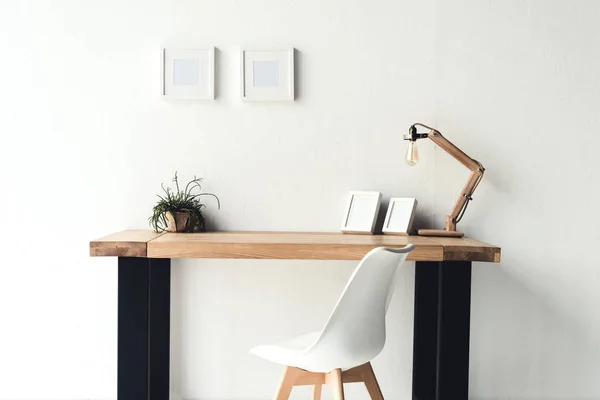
{"points": [[334, 381], [290, 374], [316, 394], [371, 382]]}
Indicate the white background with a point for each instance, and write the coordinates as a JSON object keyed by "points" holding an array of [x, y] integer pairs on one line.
{"points": [[86, 141]]}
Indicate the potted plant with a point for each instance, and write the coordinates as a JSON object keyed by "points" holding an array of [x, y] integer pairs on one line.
{"points": [[180, 210]]}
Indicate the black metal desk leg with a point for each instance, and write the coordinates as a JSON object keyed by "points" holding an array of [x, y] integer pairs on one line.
{"points": [[144, 319], [441, 332]]}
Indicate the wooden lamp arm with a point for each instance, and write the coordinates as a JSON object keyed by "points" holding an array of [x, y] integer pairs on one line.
{"points": [[477, 171]]}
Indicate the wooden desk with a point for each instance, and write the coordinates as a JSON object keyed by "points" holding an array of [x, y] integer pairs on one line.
{"points": [[442, 297]]}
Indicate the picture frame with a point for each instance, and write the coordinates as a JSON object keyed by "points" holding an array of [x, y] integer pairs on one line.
{"points": [[188, 73], [267, 75], [361, 212], [400, 216]]}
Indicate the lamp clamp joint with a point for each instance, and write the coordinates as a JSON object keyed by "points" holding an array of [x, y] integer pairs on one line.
{"points": [[413, 136]]}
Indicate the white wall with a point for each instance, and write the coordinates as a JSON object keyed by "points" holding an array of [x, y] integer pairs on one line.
{"points": [[86, 141]]}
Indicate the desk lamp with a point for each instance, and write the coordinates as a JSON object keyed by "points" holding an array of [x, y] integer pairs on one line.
{"points": [[412, 157]]}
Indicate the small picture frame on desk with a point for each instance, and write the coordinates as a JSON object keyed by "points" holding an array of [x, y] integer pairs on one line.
{"points": [[400, 216], [361, 212]]}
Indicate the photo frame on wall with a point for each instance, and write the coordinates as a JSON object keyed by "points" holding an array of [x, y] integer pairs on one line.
{"points": [[267, 75], [361, 212], [188, 73], [400, 216]]}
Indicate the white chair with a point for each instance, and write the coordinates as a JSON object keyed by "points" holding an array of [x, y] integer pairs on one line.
{"points": [[352, 337]]}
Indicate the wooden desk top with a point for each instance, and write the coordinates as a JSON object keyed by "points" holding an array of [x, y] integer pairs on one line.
{"points": [[285, 246]]}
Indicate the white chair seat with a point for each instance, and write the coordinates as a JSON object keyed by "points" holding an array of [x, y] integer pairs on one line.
{"points": [[289, 352]]}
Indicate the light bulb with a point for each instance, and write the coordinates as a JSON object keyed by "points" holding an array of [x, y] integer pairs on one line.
{"points": [[412, 154]]}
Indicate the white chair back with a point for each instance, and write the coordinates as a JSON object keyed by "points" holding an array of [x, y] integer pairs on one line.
{"points": [[355, 331]]}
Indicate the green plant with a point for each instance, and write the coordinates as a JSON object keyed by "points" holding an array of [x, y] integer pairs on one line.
{"points": [[181, 201]]}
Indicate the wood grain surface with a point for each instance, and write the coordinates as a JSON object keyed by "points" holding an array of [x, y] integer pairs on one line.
{"points": [[131, 243], [286, 245]]}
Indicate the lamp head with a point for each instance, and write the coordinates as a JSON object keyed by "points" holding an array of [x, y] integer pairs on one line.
{"points": [[412, 153]]}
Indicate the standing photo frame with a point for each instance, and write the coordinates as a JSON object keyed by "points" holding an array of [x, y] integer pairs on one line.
{"points": [[267, 75], [188, 73], [400, 216], [361, 212]]}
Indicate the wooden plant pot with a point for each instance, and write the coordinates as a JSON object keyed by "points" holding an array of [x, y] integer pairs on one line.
{"points": [[179, 222]]}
